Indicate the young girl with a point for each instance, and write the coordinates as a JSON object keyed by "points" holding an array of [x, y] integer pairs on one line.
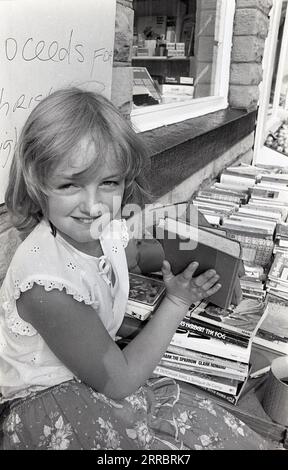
{"points": [[65, 383]]}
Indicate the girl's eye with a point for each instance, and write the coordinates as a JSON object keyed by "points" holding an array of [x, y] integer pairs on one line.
{"points": [[67, 186], [110, 183]]}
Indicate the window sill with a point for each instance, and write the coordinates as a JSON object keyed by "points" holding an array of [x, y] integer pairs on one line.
{"points": [[179, 150]]}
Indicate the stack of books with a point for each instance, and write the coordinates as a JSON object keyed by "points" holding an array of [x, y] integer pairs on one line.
{"points": [[212, 347], [217, 202], [145, 294], [253, 282]]}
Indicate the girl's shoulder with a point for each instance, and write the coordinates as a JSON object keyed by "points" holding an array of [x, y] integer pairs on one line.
{"points": [[44, 260], [39, 241]]}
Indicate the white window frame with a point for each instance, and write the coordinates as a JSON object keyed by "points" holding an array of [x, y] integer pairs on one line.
{"points": [[151, 117], [263, 154]]}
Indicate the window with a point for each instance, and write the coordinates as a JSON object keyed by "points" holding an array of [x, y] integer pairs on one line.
{"points": [[271, 140], [181, 59]]}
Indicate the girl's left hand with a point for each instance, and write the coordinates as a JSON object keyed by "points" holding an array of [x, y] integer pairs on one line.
{"points": [[184, 288]]}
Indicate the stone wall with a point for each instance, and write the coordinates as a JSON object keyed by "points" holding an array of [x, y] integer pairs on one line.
{"points": [[250, 30]]}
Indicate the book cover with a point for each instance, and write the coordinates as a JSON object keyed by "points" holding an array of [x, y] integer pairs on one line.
{"points": [[183, 243], [218, 383], [204, 344], [214, 331], [273, 333], [243, 319], [145, 291]]}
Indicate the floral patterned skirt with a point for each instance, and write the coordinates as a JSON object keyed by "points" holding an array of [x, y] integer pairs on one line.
{"points": [[160, 416]]}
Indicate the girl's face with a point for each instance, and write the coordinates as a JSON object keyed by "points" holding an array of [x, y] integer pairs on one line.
{"points": [[73, 207]]}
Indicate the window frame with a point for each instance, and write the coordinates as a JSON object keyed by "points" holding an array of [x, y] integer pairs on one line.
{"points": [[152, 117], [263, 154]]}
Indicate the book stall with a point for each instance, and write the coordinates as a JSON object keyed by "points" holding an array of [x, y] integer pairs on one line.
{"points": [[247, 209]]}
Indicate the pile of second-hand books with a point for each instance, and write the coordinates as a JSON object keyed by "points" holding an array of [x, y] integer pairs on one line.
{"points": [[259, 222], [212, 347]]}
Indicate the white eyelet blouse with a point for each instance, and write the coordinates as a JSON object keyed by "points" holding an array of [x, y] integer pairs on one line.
{"points": [[26, 362]]}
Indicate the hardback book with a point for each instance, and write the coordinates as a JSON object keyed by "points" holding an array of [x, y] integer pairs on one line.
{"points": [[243, 319], [216, 202], [207, 359], [275, 178], [237, 180], [268, 208], [243, 194], [145, 294], [273, 332], [219, 195], [183, 363], [183, 243], [219, 383], [189, 340], [249, 224], [281, 231], [248, 211], [269, 193]]}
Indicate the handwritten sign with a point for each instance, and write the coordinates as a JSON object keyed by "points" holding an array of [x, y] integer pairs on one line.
{"points": [[45, 45]]}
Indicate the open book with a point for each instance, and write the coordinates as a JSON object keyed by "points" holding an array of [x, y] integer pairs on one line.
{"points": [[183, 243]]}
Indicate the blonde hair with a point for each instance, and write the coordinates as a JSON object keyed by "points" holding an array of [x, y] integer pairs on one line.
{"points": [[53, 129]]}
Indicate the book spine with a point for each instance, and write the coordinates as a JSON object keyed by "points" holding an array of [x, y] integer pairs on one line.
{"points": [[206, 361], [233, 399], [194, 379], [188, 354], [139, 315], [214, 331], [204, 345], [215, 371]]}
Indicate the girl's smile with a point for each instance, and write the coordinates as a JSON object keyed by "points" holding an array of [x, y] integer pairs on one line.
{"points": [[74, 204]]}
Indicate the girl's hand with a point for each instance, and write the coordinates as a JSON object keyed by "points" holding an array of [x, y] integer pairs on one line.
{"points": [[186, 289]]}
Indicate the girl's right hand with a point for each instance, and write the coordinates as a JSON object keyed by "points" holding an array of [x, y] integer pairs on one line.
{"points": [[186, 289]]}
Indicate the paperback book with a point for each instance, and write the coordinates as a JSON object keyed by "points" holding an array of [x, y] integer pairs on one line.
{"points": [[273, 333], [219, 383], [233, 399], [214, 331], [145, 294], [184, 363], [189, 340], [208, 359], [279, 269], [243, 319]]}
